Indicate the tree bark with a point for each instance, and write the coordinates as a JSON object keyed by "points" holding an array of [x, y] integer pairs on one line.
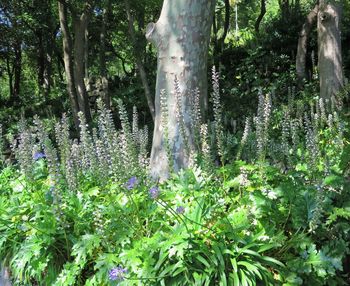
{"points": [[261, 15], [68, 62], [80, 28], [10, 74], [182, 36], [226, 24], [302, 45], [139, 62], [103, 68], [329, 50], [17, 68]]}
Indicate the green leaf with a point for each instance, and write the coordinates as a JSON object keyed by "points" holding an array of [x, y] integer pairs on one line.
{"points": [[219, 255], [272, 261], [234, 264], [243, 278], [223, 280], [236, 280], [251, 268], [203, 260]]}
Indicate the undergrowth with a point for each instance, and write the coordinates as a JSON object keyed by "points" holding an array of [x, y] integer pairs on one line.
{"points": [[275, 212]]}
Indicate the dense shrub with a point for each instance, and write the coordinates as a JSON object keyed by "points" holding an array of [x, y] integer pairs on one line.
{"points": [[85, 212]]}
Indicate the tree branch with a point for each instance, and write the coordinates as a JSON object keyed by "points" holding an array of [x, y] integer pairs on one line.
{"points": [[261, 15]]}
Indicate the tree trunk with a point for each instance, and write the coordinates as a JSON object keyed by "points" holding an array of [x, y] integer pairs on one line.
{"points": [[302, 45], [80, 28], [226, 24], [68, 62], [182, 36], [10, 74], [103, 68], [329, 50], [40, 58], [17, 68], [139, 62], [261, 15]]}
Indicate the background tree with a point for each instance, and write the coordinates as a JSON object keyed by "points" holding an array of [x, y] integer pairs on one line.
{"points": [[75, 54], [329, 49], [182, 36]]}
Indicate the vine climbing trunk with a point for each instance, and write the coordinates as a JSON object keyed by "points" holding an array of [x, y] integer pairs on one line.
{"points": [[182, 36]]}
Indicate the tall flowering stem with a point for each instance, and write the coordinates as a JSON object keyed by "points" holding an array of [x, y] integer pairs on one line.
{"points": [[179, 115], [262, 121], [88, 159], [63, 139], [218, 115], [110, 139], [205, 147], [244, 140], [164, 124], [196, 117], [2, 146], [127, 143], [24, 150]]}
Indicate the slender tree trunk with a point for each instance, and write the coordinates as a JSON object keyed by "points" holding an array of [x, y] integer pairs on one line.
{"points": [[182, 36], [68, 62], [86, 53], [302, 45], [80, 27], [226, 24], [329, 50], [103, 69], [261, 15], [10, 74], [139, 62], [48, 68], [17, 68], [40, 59]]}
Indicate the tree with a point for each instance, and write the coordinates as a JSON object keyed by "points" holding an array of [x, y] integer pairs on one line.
{"points": [[181, 36], [103, 67], [74, 55], [329, 49], [139, 62], [68, 62], [13, 36], [261, 15], [302, 45]]}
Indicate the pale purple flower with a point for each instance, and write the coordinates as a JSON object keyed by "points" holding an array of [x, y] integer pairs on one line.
{"points": [[131, 183], [117, 273], [38, 155], [180, 209], [154, 192]]}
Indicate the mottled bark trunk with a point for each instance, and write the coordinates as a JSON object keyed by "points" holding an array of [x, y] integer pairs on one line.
{"points": [[302, 45], [182, 36], [80, 28], [4, 276], [329, 50], [68, 62], [139, 62]]}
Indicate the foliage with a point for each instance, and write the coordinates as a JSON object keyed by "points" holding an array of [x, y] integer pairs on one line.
{"points": [[265, 202], [85, 213]]}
